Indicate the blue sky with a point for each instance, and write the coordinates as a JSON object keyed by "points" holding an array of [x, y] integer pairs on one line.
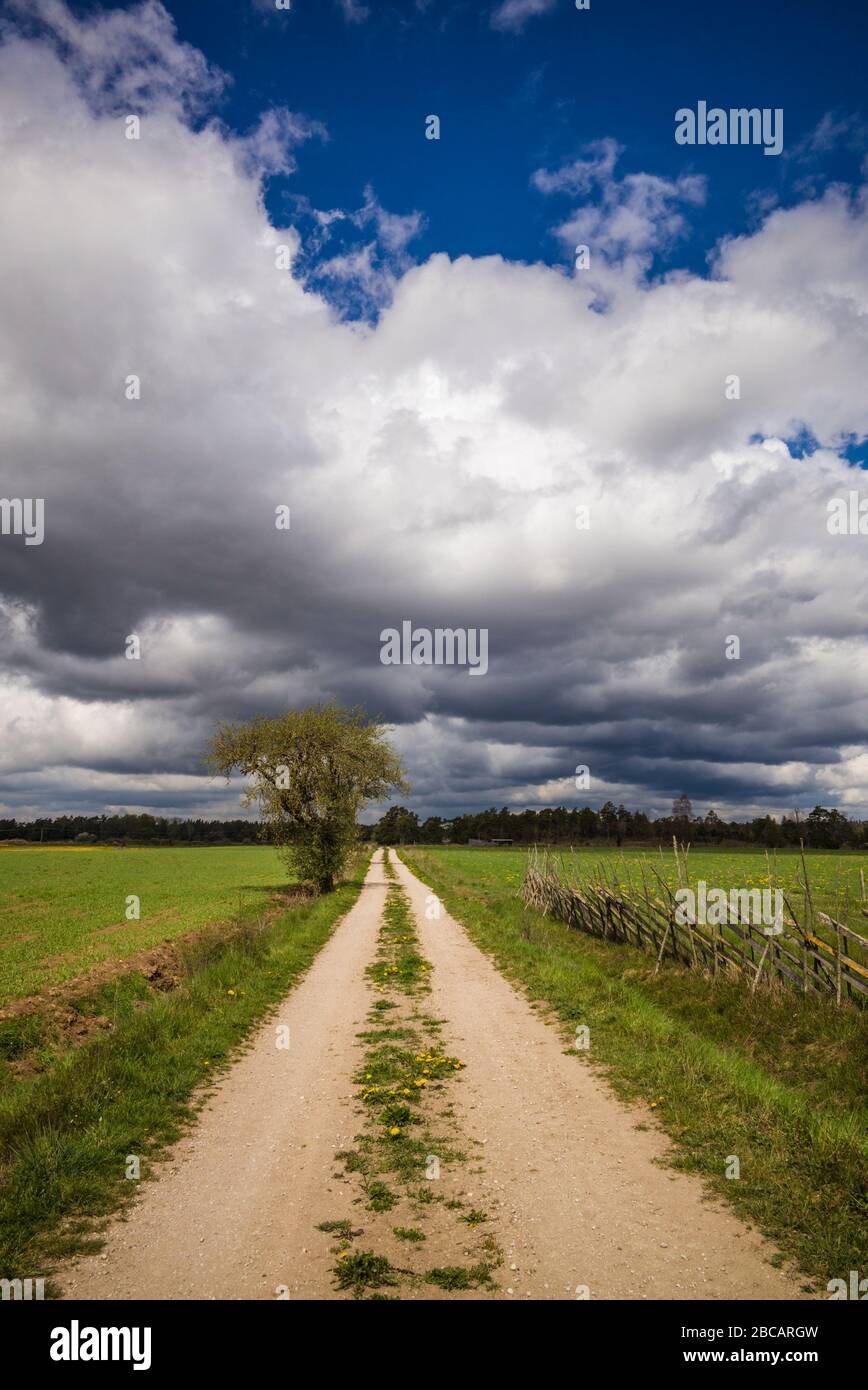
{"points": [[514, 101], [387, 334]]}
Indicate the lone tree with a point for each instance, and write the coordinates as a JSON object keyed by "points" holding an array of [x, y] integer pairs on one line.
{"points": [[313, 770]]}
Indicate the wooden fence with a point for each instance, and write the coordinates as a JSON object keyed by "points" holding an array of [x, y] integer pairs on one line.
{"points": [[797, 957]]}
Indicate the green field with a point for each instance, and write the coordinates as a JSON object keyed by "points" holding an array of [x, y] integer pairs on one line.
{"points": [[774, 1078], [834, 877], [61, 910]]}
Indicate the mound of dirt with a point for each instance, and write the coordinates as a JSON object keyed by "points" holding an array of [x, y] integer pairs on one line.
{"points": [[64, 1025]]}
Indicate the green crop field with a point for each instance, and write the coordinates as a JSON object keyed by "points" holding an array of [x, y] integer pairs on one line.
{"points": [[834, 877], [63, 910]]}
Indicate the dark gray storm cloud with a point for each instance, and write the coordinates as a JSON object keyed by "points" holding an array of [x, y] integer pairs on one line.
{"points": [[433, 464]]}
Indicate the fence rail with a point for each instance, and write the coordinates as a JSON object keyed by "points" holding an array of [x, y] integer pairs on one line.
{"points": [[796, 957]]}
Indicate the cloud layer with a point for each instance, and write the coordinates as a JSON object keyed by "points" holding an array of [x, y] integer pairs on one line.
{"points": [[433, 461]]}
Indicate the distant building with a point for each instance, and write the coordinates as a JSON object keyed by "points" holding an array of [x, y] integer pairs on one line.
{"points": [[487, 844]]}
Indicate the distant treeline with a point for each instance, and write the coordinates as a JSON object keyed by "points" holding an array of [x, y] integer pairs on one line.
{"points": [[138, 828], [611, 824]]}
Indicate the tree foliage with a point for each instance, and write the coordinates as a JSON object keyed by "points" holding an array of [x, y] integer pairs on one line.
{"points": [[613, 825], [682, 808], [313, 771], [398, 827], [131, 828]]}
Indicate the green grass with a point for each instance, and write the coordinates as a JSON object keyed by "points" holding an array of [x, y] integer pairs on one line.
{"points": [[474, 1217], [833, 875], [358, 1273], [344, 1229], [410, 1233], [399, 1062], [380, 1197], [61, 911], [774, 1079], [65, 1136], [399, 1080], [455, 1277]]}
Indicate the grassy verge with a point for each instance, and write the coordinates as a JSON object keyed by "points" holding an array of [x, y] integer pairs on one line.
{"points": [[775, 1080], [407, 1125], [67, 1137]]}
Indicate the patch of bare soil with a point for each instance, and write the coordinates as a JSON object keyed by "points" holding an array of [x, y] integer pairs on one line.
{"points": [[66, 1026]]}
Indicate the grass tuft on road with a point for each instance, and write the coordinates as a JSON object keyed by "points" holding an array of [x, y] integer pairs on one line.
{"points": [[399, 1082]]}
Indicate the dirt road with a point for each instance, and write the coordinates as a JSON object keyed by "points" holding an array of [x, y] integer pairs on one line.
{"points": [[234, 1211], [575, 1198], [583, 1202]]}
